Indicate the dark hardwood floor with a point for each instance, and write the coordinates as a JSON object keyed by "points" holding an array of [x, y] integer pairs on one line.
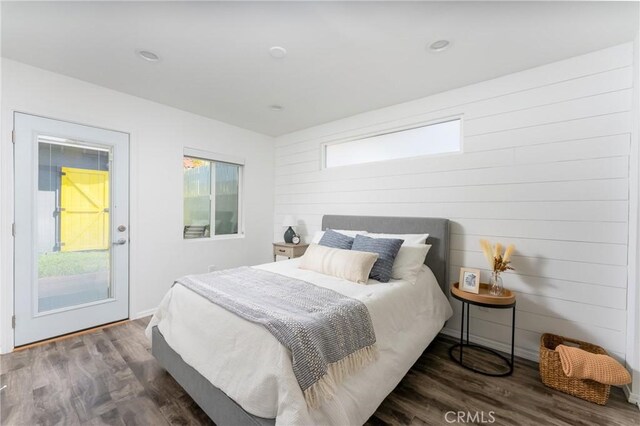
{"points": [[110, 377]]}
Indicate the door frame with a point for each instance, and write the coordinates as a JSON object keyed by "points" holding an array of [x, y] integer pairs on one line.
{"points": [[7, 212]]}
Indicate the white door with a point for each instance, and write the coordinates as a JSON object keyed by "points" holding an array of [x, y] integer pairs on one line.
{"points": [[71, 227]]}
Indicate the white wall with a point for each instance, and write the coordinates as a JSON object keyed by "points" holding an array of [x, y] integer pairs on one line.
{"points": [[633, 299], [158, 254], [545, 166]]}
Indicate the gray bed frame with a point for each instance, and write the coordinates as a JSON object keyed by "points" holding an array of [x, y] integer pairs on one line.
{"points": [[224, 410]]}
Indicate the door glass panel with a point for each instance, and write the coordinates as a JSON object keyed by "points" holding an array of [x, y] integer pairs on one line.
{"points": [[72, 224], [226, 205], [197, 197]]}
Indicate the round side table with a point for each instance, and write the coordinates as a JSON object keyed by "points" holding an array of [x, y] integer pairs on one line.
{"points": [[506, 301]]}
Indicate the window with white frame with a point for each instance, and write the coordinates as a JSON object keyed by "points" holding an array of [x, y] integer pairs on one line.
{"points": [[437, 138], [212, 196]]}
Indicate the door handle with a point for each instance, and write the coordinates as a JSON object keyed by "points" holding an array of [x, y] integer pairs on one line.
{"points": [[120, 242]]}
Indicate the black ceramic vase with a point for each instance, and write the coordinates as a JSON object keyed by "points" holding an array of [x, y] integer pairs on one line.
{"points": [[288, 235]]}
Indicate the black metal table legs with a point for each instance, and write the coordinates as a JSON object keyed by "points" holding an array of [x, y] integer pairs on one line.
{"points": [[465, 344]]}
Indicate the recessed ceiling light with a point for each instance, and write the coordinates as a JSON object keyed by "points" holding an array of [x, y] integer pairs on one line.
{"points": [[278, 52], [276, 107], [439, 46], [147, 55]]}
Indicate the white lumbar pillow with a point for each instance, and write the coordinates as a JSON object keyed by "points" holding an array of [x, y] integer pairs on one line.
{"points": [[409, 239], [318, 235], [408, 262], [351, 265]]}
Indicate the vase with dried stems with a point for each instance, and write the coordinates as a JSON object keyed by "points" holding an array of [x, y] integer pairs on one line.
{"points": [[499, 261]]}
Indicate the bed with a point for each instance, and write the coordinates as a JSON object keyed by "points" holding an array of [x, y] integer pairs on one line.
{"points": [[253, 384]]}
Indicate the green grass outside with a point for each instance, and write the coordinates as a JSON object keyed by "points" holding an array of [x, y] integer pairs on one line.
{"points": [[72, 263]]}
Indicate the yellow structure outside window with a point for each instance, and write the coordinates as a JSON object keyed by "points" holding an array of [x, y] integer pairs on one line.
{"points": [[84, 216]]}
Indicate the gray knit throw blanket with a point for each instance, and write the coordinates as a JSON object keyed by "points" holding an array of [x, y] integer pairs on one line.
{"points": [[329, 335]]}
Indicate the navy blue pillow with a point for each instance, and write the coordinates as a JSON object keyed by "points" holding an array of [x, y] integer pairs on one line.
{"points": [[387, 249], [335, 239]]}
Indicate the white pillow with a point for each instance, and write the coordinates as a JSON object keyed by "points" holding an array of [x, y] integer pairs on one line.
{"points": [[408, 262], [409, 239], [318, 235], [351, 265]]}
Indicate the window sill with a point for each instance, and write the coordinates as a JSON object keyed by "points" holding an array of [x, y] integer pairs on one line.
{"points": [[215, 238]]}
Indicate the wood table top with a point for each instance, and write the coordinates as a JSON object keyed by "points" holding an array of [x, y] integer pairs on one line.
{"points": [[485, 297]]}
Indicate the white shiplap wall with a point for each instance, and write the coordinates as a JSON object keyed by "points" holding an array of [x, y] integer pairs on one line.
{"points": [[545, 166]]}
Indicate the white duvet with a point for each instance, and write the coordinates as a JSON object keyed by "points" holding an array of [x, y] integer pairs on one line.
{"points": [[246, 362]]}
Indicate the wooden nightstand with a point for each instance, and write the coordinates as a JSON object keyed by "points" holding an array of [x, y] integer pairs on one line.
{"points": [[289, 250]]}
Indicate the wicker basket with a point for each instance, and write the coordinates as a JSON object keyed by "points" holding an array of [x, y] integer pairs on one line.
{"points": [[553, 376]]}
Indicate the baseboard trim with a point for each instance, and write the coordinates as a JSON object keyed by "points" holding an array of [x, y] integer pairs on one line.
{"points": [[145, 313], [633, 398], [499, 346]]}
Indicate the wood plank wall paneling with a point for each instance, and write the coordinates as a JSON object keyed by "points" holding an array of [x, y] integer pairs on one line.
{"points": [[545, 166]]}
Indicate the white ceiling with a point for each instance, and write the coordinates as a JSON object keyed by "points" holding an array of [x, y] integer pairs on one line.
{"points": [[343, 58]]}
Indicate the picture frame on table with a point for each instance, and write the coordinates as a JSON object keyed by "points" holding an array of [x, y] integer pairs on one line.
{"points": [[469, 280]]}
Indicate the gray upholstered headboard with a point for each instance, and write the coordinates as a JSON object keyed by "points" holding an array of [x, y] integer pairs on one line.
{"points": [[437, 228]]}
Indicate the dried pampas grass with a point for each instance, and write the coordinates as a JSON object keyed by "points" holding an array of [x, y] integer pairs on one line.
{"points": [[498, 261], [508, 252], [488, 252]]}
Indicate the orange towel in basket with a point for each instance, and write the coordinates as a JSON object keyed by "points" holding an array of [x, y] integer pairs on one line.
{"points": [[581, 364]]}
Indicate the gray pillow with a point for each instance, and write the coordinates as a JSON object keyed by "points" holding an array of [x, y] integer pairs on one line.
{"points": [[387, 249], [335, 239]]}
